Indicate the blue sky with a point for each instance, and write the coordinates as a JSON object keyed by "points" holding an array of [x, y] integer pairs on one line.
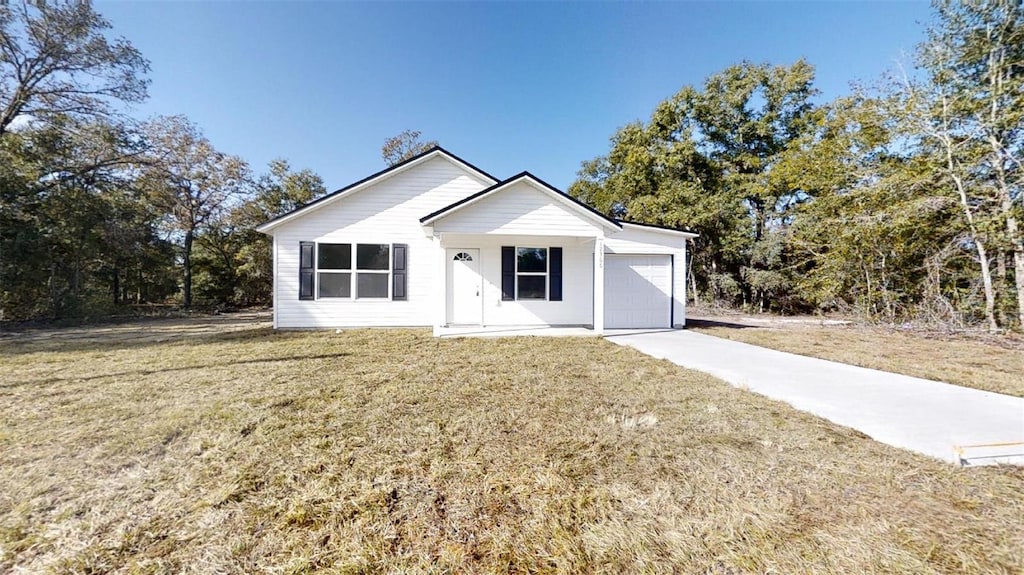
{"points": [[507, 86]]}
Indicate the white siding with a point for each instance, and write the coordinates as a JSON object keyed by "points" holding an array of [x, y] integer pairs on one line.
{"points": [[387, 212], [634, 241], [519, 209], [577, 305]]}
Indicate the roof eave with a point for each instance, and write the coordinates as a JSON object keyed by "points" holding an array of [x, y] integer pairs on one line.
{"points": [[659, 229]]}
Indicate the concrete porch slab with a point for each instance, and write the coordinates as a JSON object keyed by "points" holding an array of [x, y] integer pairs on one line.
{"points": [[515, 331]]}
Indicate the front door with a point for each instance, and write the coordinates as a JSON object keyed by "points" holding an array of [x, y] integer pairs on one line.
{"points": [[465, 306]]}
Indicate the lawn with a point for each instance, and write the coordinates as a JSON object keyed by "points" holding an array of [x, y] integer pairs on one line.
{"points": [[391, 451], [995, 363]]}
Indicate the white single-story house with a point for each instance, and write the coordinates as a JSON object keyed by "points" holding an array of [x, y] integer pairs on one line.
{"points": [[435, 241]]}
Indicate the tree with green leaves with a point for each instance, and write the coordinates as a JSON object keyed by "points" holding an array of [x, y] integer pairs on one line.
{"points": [[873, 230], [275, 193], [747, 116], [704, 160], [64, 150], [73, 231], [234, 262], [403, 146]]}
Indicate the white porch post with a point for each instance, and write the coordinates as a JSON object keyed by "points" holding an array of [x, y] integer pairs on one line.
{"points": [[440, 285], [599, 285]]}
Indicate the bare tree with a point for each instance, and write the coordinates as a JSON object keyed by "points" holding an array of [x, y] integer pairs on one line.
{"points": [[56, 61], [190, 182], [931, 115], [397, 149], [972, 112]]}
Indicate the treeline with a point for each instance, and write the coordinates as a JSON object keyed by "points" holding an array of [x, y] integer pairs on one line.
{"points": [[902, 202], [99, 210], [899, 203]]}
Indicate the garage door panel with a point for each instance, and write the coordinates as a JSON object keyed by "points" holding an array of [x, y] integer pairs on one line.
{"points": [[638, 291]]}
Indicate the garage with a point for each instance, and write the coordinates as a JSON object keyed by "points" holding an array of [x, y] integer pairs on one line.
{"points": [[638, 291]]}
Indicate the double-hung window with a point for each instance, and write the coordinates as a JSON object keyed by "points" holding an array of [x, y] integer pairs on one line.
{"points": [[373, 270], [334, 270], [358, 271], [531, 273]]}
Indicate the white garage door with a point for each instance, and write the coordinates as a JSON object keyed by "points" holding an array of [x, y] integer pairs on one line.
{"points": [[637, 291]]}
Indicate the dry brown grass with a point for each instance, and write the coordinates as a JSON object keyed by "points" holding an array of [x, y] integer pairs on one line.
{"points": [[390, 451], [993, 364]]}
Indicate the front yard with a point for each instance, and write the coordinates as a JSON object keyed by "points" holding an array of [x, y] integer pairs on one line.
{"points": [[380, 450], [982, 361]]}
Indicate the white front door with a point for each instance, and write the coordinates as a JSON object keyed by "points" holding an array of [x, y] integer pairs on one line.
{"points": [[465, 287]]}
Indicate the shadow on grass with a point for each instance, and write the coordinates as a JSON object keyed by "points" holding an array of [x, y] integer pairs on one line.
{"points": [[144, 372], [691, 322], [136, 339]]}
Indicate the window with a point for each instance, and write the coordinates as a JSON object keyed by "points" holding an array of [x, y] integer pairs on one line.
{"points": [[372, 257], [373, 270], [369, 278], [334, 270], [531, 273], [462, 257]]}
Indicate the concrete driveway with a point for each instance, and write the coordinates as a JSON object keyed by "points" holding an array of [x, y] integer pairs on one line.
{"points": [[928, 417]]}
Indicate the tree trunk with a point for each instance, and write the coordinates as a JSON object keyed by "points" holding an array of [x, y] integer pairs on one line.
{"points": [[999, 69], [966, 206], [1018, 280], [188, 269], [117, 286], [986, 282], [689, 271], [1002, 284], [869, 308], [1013, 233]]}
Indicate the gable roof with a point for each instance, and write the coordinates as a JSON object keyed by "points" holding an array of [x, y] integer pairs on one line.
{"points": [[569, 201], [372, 179]]}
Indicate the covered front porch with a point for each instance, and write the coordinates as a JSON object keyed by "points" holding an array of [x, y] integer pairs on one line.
{"points": [[520, 253], [513, 284]]}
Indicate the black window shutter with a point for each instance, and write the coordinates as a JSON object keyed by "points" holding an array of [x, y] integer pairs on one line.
{"points": [[555, 269], [306, 259], [399, 271], [508, 273]]}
